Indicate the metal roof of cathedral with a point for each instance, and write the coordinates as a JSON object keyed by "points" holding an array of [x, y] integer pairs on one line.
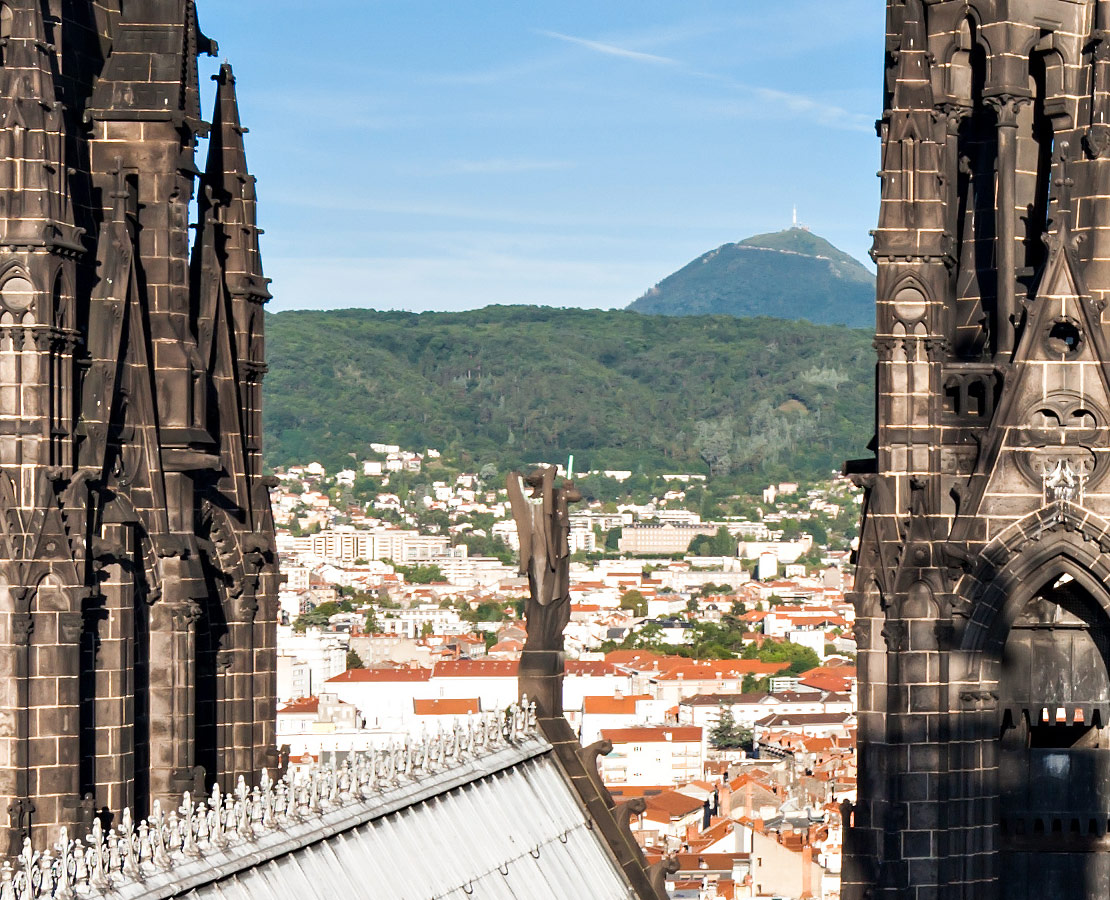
{"points": [[481, 811]]}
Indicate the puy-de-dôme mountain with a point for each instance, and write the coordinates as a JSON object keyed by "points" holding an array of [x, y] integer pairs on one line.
{"points": [[790, 274], [510, 385]]}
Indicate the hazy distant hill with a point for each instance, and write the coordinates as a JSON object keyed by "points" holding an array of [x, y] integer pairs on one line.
{"points": [[791, 274], [512, 385]]}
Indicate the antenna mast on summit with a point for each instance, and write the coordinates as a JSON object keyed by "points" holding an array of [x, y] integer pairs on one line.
{"points": [[795, 225]]}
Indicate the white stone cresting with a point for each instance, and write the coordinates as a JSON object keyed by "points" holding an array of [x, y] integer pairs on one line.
{"points": [[143, 859]]}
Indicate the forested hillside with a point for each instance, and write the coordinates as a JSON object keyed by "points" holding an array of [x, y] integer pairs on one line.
{"points": [[792, 274], [761, 398]]}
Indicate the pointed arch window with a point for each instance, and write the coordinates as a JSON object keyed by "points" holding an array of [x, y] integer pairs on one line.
{"points": [[5, 30], [959, 65]]}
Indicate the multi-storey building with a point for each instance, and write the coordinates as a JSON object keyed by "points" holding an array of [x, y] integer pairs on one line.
{"points": [[653, 754], [667, 538], [346, 545]]}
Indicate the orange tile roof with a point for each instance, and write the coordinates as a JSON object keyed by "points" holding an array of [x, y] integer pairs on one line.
{"points": [[444, 707], [652, 733], [675, 805], [302, 706], [612, 706], [470, 668], [721, 828], [364, 675], [725, 668], [834, 683], [844, 670], [629, 657], [595, 667]]}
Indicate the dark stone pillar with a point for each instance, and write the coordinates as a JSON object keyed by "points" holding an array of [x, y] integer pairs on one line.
{"points": [[541, 680], [1006, 108], [173, 661]]}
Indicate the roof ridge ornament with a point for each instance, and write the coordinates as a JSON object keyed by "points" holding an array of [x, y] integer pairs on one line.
{"points": [[239, 823]]}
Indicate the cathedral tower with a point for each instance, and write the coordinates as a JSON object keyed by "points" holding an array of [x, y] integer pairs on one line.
{"points": [[137, 566], [983, 582]]}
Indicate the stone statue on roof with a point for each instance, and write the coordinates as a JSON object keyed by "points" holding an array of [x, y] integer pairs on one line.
{"points": [[543, 525]]}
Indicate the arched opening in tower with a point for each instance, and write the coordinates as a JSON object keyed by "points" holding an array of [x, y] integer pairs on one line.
{"points": [[1054, 752]]}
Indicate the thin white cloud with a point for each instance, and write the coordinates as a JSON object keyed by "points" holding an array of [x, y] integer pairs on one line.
{"points": [[778, 101], [826, 114], [610, 49]]}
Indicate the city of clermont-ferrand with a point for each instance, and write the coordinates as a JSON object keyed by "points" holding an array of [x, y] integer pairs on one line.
{"points": [[607, 489]]}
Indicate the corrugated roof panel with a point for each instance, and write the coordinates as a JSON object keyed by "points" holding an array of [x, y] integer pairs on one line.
{"points": [[517, 834]]}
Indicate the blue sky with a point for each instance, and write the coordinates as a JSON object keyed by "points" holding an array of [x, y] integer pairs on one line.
{"points": [[446, 155]]}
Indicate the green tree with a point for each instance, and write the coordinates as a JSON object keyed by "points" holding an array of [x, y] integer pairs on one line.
{"points": [[720, 544], [487, 611], [728, 735], [371, 625], [753, 685], [801, 659], [650, 637], [635, 601], [420, 574], [354, 661], [317, 617]]}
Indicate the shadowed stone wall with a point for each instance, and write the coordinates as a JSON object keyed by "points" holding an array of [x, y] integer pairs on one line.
{"points": [[983, 608], [137, 566]]}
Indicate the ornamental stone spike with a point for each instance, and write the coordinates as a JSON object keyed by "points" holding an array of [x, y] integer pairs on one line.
{"points": [[235, 823]]}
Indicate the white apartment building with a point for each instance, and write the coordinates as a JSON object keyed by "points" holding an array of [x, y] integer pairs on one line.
{"points": [[296, 576], [747, 709], [345, 545], [410, 623], [602, 713], [469, 571], [653, 755], [294, 678], [667, 538], [784, 551], [324, 655]]}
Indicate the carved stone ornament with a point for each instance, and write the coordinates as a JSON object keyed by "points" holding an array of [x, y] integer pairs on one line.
{"points": [[979, 700], [1006, 107], [22, 626], [1096, 141], [894, 633], [543, 526], [1063, 448]]}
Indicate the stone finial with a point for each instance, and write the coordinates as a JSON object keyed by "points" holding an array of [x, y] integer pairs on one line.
{"points": [[238, 823]]}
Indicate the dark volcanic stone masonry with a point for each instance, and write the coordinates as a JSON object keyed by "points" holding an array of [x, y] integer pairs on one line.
{"points": [[137, 566], [983, 589]]}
